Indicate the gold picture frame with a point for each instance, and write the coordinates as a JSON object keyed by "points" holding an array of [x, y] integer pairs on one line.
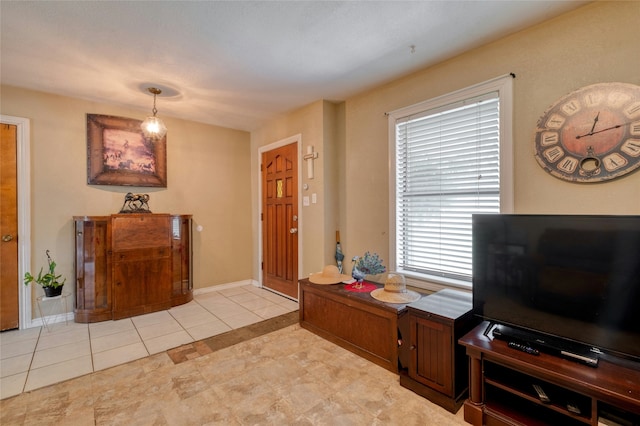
{"points": [[119, 154]]}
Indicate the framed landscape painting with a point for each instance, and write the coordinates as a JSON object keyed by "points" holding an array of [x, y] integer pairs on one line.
{"points": [[119, 154]]}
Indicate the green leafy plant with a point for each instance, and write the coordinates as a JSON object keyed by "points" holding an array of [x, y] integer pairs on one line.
{"points": [[50, 279]]}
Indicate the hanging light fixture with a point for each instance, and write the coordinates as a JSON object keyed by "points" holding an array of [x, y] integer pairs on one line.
{"points": [[152, 127]]}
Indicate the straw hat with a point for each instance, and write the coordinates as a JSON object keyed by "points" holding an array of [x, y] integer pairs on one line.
{"points": [[329, 275], [395, 291]]}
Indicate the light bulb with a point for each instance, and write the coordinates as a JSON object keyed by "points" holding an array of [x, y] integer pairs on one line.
{"points": [[153, 128]]}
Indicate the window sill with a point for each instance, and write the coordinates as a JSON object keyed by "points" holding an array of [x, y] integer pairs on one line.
{"points": [[434, 283]]}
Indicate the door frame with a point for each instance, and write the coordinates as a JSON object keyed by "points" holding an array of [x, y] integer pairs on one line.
{"points": [[291, 139], [23, 164]]}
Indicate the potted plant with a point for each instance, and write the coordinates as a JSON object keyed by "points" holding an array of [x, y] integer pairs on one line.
{"points": [[50, 282]]}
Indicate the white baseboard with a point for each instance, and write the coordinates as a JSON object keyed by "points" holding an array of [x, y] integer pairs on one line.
{"points": [[52, 319], [219, 287], [69, 317]]}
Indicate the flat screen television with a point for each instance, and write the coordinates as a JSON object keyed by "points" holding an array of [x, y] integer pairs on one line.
{"points": [[567, 279]]}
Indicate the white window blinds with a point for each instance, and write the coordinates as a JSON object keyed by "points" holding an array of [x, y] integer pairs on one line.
{"points": [[447, 168]]}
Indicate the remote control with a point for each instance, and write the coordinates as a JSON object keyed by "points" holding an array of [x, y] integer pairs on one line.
{"points": [[524, 348], [541, 394], [573, 408]]}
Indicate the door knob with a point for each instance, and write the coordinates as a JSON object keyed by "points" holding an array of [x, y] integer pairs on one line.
{"points": [[293, 230], [6, 238]]}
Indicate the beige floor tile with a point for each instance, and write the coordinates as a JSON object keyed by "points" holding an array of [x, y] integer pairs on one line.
{"points": [[270, 311], [210, 295], [112, 341], [257, 303], [63, 327], [206, 302], [12, 385], [225, 311], [152, 318], [212, 328], [62, 371], [63, 337], [58, 354], [197, 318], [21, 347], [244, 297], [273, 297], [67, 403], [232, 291], [159, 329], [104, 328], [290, 305], [289, 376], [186, 310], [168, 341], [14, 336], [119, 355], [254, 289], [240, 320], [15, 364]]}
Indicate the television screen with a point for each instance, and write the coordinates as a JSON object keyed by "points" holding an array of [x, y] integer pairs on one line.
{"points": [[576, 277]]}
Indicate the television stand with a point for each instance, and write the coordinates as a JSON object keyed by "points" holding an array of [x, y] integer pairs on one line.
{"points": [[502, 391]]}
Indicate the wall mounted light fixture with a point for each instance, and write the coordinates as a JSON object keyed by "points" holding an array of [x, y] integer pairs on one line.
{"points": [[152, 127]]}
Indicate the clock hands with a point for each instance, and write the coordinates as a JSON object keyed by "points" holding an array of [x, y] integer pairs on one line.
{"points": [[591, 133], [595, 121]]}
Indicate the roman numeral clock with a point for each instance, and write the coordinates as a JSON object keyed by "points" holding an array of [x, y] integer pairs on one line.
{"points": [[591, 134]]}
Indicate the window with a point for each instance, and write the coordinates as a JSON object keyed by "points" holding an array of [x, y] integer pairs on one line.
{"points": [[451, 158]]}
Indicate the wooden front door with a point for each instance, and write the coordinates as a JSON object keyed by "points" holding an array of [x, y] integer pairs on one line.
{"points": [[9, 282], [280, 219]]}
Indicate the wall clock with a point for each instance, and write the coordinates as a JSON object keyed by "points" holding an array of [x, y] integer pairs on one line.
{"points": [[591, 134]]}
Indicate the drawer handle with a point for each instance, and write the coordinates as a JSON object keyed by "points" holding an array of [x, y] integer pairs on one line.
{"points": [[412, 347]]}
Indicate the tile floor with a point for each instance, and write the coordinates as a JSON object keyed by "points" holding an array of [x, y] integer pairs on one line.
{"points": [[79, 349], [286, 377]]}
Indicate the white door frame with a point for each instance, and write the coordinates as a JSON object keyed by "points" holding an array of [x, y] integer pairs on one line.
{"points": [[291, 139], [23, 164]]}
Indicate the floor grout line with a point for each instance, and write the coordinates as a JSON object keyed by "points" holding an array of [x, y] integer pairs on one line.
{"points": [[267, 296]]}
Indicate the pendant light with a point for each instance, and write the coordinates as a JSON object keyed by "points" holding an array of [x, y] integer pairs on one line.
{"points": [[152, 127]]}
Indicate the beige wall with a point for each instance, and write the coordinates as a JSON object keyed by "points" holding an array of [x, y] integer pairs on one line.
{"points": [[317, 125], [213, 172], [596, 43], [207, 170]]}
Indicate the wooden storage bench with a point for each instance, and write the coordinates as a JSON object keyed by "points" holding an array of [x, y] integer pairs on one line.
{"points": [[356, 321]]}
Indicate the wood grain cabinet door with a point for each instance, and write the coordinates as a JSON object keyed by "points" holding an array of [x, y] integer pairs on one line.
{"points": [[128, 288], [92, 268], [141, 263], [432, 357], [142, 282], [181, 276]]}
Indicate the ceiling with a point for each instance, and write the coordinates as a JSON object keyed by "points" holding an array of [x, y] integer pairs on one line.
{"points": [[239, 64]]}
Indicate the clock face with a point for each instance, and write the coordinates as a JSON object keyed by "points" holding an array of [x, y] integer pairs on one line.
{"points": [[592, 134]]}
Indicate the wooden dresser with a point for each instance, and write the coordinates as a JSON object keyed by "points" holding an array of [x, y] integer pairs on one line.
{"points": [[131, 264]]}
